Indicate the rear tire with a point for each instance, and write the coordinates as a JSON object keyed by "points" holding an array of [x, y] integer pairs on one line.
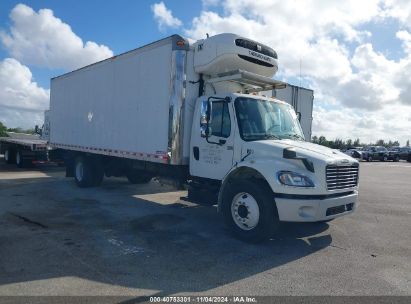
{"points": [[9, 156], [249, 210], [369, 159], [138, 177], [385, 158], [97, 172], [397, 159], [21, 162], [83, 174]]}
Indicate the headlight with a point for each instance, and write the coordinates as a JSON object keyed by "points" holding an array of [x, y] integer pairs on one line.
{"points": [[294, 179]]}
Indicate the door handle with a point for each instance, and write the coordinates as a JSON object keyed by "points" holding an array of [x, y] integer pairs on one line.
{"points": [[196, 153]]}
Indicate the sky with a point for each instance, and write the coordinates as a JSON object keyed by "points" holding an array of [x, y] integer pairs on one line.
{"points": [[355, 55]]}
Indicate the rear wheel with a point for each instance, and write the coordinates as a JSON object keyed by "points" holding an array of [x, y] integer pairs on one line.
{"points": [[21, 161], [397, 158], [83, 174], [97, 171], [385, 158], [249, 210], [369, 158], [9, 156]]}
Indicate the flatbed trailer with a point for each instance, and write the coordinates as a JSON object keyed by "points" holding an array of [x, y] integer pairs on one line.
{"points": [[24, 150]]}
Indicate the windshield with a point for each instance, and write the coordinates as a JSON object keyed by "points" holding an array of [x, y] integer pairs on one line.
{"points": [[262, 119]]}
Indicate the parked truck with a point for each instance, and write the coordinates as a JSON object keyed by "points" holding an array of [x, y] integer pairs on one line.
{"points": [[301, 99], [192, 112], [25, 150]]}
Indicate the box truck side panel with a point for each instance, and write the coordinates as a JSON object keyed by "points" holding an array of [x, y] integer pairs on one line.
{"points": [[305, 107], [121, 104], [302, 101]]}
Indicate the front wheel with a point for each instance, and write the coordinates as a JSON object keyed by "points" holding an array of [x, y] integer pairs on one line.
{"points": [[369, 158], [396, 158], [385, 158], [249, 210]]}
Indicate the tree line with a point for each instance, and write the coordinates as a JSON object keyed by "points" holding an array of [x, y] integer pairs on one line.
{"points": [[4, 130], [349, 143]]}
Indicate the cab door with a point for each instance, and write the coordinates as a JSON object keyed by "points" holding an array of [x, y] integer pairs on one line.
{"points": [[212, 156]]}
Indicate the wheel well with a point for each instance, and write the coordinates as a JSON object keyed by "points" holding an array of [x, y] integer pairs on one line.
{"points": [[242, 173]]}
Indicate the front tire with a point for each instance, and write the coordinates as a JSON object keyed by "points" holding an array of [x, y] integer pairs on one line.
{"points": [[369, 159], [385, 158], [249, 210]]}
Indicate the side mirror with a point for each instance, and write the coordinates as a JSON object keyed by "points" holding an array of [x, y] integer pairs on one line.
{"points": [[299, 116], [204, 131]]}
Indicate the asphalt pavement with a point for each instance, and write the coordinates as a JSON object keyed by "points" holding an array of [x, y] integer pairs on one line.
{"points": [[142, 240]]}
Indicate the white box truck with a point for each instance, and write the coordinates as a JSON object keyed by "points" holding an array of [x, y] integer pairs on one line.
{"points": [[301, 99], [191, 112]]}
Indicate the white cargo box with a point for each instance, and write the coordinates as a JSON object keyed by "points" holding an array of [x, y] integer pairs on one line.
{"points": [[127, 105]]}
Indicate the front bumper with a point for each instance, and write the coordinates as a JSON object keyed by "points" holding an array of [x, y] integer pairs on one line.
{"points": [[315, 209]]}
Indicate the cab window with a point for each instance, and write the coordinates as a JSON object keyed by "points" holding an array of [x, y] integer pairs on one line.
{"points": [[220, 120]]}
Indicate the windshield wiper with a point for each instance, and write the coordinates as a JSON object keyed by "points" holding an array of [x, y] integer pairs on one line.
{"points": [[270, 136], [293, 135]]}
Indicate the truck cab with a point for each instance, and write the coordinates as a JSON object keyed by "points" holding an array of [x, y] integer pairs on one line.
{"points": [[253, 149], [255, 146]]}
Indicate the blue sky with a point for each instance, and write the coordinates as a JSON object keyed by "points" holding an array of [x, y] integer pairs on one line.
{"points": [[355, 54], [121, 25]]}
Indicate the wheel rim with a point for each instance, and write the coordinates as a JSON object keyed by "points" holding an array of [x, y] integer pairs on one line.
{"points": [[18, 158], [245, 211], [370, 158], [79, 171], [6, 155]]}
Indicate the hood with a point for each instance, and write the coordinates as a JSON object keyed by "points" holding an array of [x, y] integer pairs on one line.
{"points": [[303, 149]]}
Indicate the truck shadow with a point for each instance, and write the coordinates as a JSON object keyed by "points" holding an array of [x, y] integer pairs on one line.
{"points": [[120, 236]]}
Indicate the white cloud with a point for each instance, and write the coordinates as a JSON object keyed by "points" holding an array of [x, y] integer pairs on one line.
{"points": [[400, 10], [405, 37], [41, 39], [164, 16], [22, 101], [391, 123]]}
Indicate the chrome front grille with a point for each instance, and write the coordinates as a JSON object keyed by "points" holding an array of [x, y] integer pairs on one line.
{"points": [[342, 177]]}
